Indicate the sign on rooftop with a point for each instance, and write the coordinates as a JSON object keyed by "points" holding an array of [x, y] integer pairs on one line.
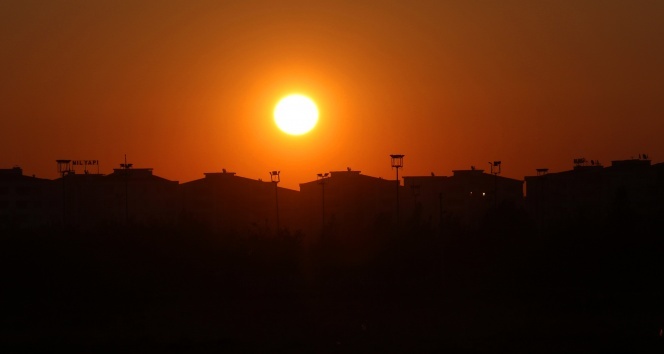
{"points": [[85, 162]]}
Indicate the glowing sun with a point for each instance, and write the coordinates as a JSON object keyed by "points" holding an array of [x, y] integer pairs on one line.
{"points": [[296, 114]]}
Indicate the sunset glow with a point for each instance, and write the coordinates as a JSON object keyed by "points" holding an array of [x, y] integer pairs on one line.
{"points": [[314, 176], [449, 84]]}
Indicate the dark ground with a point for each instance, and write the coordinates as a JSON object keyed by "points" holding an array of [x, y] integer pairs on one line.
{"points": [[501, 287]]}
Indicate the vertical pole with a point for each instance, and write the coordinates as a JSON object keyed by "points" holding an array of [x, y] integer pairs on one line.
{"points": [[276, 197], [126, 173], [397, 196], [215, 206], [64, 167], [64, 198], [321, 177], [495, 190], [397, 162]]}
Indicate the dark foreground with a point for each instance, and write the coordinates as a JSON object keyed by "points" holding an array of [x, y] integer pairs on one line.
{"points": [[495, 288]]}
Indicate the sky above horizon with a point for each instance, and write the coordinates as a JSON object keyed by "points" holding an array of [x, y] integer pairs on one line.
{"points": [[189, 87]]}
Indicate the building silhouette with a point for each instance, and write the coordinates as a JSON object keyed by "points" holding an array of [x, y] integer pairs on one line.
{"points": [[592, 192], [223, 201], [128, 195], [342, 205], [462, 198], [355, 205], [148, 198], [26, 201]]}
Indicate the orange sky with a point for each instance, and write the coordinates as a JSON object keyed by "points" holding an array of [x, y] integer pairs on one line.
{"points": [[189, 88]]}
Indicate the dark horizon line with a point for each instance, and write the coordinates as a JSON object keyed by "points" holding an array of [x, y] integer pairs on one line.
{"points": [[578, 163]]}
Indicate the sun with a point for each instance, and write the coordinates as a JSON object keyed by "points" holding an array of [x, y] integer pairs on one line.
{"points": [[296, 114]]}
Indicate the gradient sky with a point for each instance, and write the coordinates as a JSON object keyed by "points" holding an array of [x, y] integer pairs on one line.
{"points": [[188, 87]]}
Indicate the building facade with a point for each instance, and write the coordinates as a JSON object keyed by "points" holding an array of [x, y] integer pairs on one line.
{"points": [[462, 198], [224, 201], [596, 193]]}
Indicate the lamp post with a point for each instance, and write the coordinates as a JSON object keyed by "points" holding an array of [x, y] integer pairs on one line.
{"points": [[275, 178], [495, 171], [540, 204], [397, 162], [126, 166], [64, 167], [321, 180]]}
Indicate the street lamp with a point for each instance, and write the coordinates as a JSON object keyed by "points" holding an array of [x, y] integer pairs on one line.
{"points": [[495, 167], [495, 171], [275, 178], [397, 162], [64, 168], [126, 166], [321, 180]]}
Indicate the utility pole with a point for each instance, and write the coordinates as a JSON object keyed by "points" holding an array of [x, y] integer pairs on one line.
{"points": [[126, 166], [495, 171], [321, 180], [397, 162], [275, 178], [64, 168]]}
